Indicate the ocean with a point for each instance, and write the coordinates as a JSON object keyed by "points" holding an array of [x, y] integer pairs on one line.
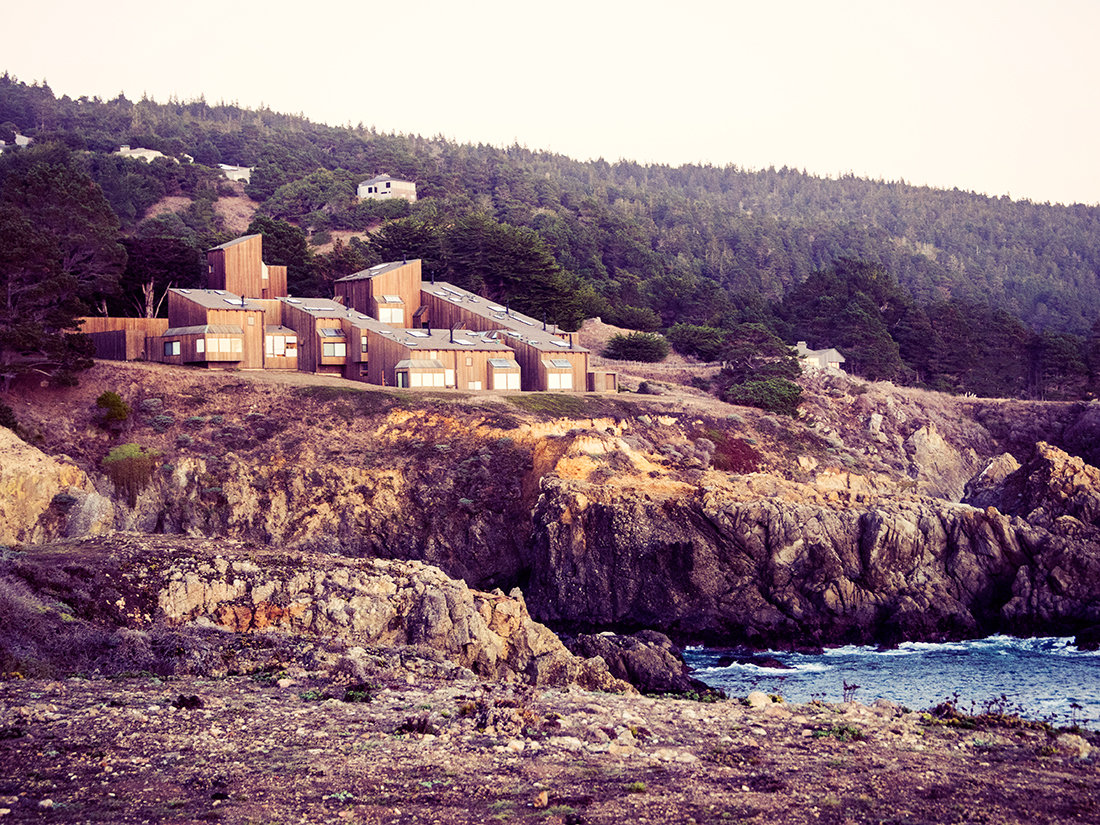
{"points": [[1045, 679]]}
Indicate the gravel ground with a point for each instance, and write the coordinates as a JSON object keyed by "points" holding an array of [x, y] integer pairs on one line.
{"points": [[271, 748]]}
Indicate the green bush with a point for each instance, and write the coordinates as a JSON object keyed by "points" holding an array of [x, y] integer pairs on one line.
{"points": [[772, 394], [130, 467], [639, 318], [116, 410], [704, 343], [638, 346]]}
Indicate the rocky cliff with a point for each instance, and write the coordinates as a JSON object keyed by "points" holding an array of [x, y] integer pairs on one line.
{"points": [[175, 605], [708, 522]]}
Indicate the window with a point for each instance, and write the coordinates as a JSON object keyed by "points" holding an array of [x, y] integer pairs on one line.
{"points": [[171, 347], [512, 380], [387, 184], [567, 380], [238, 345], [334, 349], [251, 321], [469, 362], [449, 379], [200, 345], [475, 385], [416, 379], [363, 344], [553, 381], [391, 315]]}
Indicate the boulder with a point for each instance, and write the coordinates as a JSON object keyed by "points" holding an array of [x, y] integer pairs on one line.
{"points": [[647, 659]]}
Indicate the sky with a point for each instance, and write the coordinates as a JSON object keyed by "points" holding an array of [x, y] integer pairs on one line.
{"points": [[999, 97]]}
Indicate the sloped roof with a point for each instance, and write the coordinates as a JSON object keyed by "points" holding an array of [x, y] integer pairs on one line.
{"points": [[205, 329], [228, 244], [367, 274]]}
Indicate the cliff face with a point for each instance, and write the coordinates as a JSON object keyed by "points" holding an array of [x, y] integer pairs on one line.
{"points": [[731, 528]]}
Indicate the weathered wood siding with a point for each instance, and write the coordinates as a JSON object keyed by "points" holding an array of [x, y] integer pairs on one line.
{"points": [[384, 352], [237, 268], [601, 381], [274, 286], [252, 322], [119, 344], [150, 326]]}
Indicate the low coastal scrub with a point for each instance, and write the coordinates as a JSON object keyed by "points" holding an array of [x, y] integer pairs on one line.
{"points": [[130, 468]]}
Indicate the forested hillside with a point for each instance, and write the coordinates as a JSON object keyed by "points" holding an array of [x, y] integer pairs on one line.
{"points": [[949, 289]]}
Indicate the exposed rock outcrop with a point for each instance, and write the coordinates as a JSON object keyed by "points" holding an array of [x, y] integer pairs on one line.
{"points": [[646, 659], [724, 565], [625, 519], [38, 494], [145, 583]]}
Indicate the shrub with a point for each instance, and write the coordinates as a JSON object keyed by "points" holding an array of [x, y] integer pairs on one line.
{"points": [[7, 417], [638, 346], [704, 343], [116, 410], [772, 394], [130, 467], [639, 318]]}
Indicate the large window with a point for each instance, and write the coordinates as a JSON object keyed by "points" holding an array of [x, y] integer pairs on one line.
{"points": [[391, 315], [559, 381], [171, 347], [334, 349]]}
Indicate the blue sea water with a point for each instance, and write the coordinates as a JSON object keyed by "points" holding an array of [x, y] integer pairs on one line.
{"points": [[1042, 678]]}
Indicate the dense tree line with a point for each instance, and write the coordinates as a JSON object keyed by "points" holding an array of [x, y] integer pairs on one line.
{"points": [[949, 289]]}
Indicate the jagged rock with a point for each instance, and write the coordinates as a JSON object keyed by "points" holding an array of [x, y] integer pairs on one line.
{"points": [[1051, 485], [727, 568], [984, 489], [378, 602], [647, 659], [39, 494], [942, 469]]}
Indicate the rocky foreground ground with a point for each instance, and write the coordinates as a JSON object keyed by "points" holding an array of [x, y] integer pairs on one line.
{"points": [[288, 747]]}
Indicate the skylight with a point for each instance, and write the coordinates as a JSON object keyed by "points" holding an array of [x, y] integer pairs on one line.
{"points": [[561, 362]]}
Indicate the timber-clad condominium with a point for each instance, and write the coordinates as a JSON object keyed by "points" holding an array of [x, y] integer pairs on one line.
{"points": [[384, 326]]}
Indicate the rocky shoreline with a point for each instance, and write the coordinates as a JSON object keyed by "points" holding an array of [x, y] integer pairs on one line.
{"points": [[272, 748]]}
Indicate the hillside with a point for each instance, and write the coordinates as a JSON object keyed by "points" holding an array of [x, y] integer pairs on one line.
{"points": [[993, 296]]}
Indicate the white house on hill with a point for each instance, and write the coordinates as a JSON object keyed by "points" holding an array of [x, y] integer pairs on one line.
{"points": [[820, 359], [383, 187]]}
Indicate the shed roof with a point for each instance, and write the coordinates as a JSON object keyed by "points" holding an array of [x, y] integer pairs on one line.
{"points": [[233, 242], [367, 274], [515, 325], [205, 329], [419, 364], [218, 299]]}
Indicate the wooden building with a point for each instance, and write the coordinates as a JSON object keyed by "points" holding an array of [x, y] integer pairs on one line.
{"points": [[238, 267], [389, 293], [121, 339], [210, 327]]}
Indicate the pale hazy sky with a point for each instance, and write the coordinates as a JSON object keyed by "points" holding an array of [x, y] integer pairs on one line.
{"points": [[996, 96]]}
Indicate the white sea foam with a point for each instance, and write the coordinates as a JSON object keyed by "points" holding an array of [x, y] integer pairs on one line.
{"points": [[1040, 678]]}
